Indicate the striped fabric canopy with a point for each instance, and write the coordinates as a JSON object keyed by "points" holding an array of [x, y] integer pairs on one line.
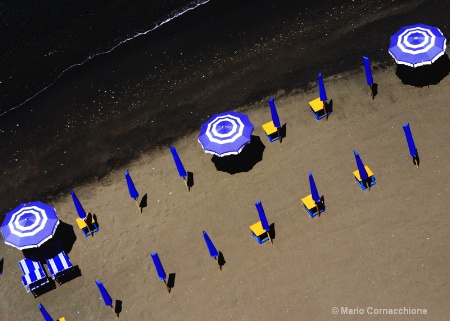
{"points": [[29, 225], [226, 134], [417, 45]]}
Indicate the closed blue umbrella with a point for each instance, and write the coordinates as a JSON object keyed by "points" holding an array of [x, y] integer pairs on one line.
{"points": [[132, 190], [314, 192], [212, 249], [369, 77], [362, 170], [160, 269], [323, 95], [411, 145], [273, 111], [263, 219], [105, 295], [45, 314], [275, 119], [181, 171], [226, 133], [178, 163], [80, 210], [417, 45], [29, 225]]}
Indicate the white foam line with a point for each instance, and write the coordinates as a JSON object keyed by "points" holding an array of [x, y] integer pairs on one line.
{"points": [[104, 53]]}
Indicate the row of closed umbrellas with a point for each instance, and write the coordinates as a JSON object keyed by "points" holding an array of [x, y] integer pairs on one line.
{"points": [[32, 224]]}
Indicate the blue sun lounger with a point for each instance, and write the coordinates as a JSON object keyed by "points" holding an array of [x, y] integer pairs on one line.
{"points": [[33, 275], [58, 262]]}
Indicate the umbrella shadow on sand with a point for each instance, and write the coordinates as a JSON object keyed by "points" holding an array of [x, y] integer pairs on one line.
{"points": [[250, 155], [424, 75]]}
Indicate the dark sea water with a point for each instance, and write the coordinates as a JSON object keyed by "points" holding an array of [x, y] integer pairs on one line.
{"points": [[87, 86]]}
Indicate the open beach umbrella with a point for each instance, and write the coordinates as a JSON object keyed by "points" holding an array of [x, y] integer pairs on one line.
{"points": [[105, 295], [263, 219], [29, 225], [369, 77], [411, 145], [212, 249], [362, 170], [160, 269], [226, 133], [417, 45], [45, 314], [80, 210], [131, 189]]}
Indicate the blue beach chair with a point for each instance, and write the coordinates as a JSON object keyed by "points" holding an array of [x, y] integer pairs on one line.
{"points": [[33, 275], [58, 262]]}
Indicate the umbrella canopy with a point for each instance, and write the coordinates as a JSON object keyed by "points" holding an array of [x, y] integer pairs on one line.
{"points": [[178, 163], [212, 249], [45, 314], [262, 216], [312, 185], [105, 295], [226, 133], [417, 45], [410, 140], [273, 111], [29, 225], [322, 91], [131, 189], [158, 266], [361, 168], [80, 210]]}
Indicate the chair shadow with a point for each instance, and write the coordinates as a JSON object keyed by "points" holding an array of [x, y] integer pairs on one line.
{"points": [[143, 202], [424, 75], [118, 307], [190, 180], [330, 106], [2, 261], [171, 281], [96, 221], [51, 285], [221, 260], [250, 155]]}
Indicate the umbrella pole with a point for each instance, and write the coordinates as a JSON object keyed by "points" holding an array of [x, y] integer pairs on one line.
{"points": [[325, 111], [167, 287], [279, 135], [186, 183], [139, 209], [114, 310], [217, 260]]}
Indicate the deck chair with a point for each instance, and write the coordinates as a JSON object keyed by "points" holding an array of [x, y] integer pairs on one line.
{"points": [[88, 226], [33, 275], [58, 262]]}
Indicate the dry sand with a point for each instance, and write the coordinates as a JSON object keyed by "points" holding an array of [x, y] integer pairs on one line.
{"points": [[383, 248]]}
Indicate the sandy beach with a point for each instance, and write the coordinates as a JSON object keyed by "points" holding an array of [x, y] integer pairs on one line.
{"points": [[380, 249]]}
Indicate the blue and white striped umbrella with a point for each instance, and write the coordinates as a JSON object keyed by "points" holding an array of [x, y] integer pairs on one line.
{"points": [[417, 45], [226, 134], [29, 225]]}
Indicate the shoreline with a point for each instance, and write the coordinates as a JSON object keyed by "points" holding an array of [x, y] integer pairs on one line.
{"points": [[106, 121]]}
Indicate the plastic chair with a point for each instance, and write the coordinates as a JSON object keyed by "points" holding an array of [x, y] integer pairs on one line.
{"points": [[33, 275], [367, 183], [58, 262], [86, 228], [259, 233], [311, 207], [271, 131], [317, 109]]}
